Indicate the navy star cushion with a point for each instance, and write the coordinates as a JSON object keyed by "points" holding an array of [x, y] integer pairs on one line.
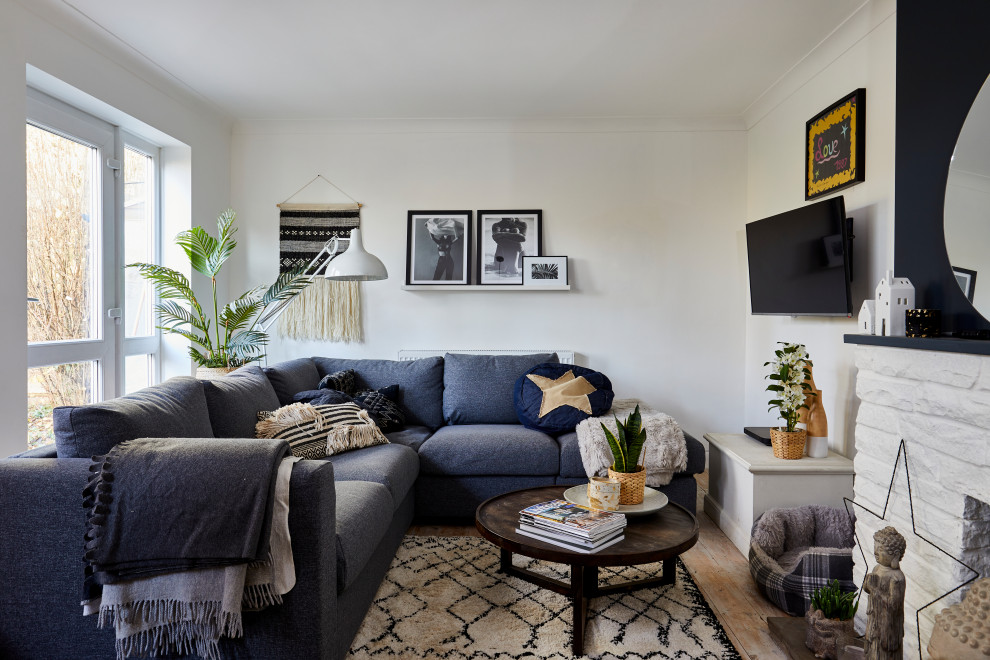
{"points": [[554, 398]]}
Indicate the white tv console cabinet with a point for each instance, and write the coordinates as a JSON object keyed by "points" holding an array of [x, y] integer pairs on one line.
{"points": [[745, 479]]}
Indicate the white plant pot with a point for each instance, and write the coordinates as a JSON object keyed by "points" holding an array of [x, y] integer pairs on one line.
{"points": [[817, 446]]}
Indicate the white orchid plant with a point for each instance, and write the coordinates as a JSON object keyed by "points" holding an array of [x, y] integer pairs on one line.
{"points": [[789, 373]]}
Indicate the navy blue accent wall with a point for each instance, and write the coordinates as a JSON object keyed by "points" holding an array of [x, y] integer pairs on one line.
{"points": [[943, 59]]}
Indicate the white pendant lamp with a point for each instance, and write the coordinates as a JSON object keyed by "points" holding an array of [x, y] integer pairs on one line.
{"points": [[356, 264]]}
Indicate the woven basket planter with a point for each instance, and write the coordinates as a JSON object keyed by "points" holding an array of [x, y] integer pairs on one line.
{"points": [[211, 373], [786, 444], [632, 485]]}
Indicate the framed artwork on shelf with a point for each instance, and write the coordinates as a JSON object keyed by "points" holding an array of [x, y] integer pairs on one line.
{"points": [[544, 271], [438, 247], [835, 146], [504, 238], [966, 279]]}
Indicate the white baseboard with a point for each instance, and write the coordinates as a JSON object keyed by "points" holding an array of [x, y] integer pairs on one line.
{"points": [[738, 536]]}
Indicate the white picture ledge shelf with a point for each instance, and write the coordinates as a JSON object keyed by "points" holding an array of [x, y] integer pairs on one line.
{"points": [[482, 287]]}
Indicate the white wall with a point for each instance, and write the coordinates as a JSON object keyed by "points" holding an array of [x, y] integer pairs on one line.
{"points": [[648, 218], [861, 54], [88, 62]]}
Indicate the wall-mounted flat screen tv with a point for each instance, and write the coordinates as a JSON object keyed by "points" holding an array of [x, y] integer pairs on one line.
{"points": [[800, 262]]}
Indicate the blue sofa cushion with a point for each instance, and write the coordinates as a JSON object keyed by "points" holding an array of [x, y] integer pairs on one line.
{"points": [[555, 397], [571, 464], [477, 389], [489, 449], [411, 436], [420, 383], [173, 409], [292, 376], [393, 466], [235, 400], [364, 511]]}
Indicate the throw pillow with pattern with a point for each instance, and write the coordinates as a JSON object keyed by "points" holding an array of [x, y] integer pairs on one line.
{"points": [[342, 381], [322, 430], [321, 397], [386, 413]]}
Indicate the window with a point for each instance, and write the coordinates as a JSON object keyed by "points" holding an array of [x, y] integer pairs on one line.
{"points": [[91, 208]]}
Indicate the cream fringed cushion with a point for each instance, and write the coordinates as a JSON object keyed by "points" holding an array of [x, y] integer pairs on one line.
{"points": [[319, 431]]}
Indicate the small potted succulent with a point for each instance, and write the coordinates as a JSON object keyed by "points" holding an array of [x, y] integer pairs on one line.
{"points": [[627, 446], [789, 372], [830, 620]]}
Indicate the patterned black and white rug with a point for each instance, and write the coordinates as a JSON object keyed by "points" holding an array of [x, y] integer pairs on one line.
{"points": [[443, 597]]}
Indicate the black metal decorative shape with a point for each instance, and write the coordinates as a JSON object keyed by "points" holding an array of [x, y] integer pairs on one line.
{"points": [[902, 451]]}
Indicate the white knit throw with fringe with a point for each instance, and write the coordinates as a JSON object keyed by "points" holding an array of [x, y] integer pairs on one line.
{"points": [[664, 453]]}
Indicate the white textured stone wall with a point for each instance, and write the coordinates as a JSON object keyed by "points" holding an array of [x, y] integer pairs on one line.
{"points": [[939, 404]]}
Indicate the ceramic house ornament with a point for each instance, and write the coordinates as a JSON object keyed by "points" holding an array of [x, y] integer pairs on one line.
{"points": [[867, 317], [895, 295]]}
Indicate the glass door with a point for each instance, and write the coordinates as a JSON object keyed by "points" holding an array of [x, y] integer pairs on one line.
{"points": [[71, 295]]}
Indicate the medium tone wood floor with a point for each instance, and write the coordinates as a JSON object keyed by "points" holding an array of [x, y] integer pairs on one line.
{"points": [[722, 575]]}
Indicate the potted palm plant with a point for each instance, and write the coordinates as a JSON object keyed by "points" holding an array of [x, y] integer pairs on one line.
{"points": [[221, 339], [627, 446], [830, 620], [789, 371]]}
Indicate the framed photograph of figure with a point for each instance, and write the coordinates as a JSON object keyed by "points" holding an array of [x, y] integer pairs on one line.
{"points": [[544, 271], [504, 238], [438, 247]]}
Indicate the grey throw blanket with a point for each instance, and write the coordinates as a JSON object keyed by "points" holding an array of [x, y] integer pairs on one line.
{"points": [[140, 495], [157, 506], [189, 611]]}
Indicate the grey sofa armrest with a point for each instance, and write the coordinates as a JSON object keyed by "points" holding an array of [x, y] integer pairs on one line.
{"points": [[44, 451], [43, 520]]}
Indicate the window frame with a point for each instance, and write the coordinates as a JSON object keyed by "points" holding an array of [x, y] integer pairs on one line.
{"points": [[109, 346]]}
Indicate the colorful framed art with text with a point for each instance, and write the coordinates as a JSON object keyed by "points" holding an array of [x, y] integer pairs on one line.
{"points": [[835, 146]]}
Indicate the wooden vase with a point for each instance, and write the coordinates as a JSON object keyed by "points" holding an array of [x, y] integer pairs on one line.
{"points": [[813, 416], [632, 484]]}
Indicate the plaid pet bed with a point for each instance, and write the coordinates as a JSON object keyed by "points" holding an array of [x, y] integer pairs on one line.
{"points": [[789, 586]]}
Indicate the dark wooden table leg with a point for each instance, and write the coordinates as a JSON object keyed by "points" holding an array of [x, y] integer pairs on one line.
{"points": [[505, 560], [669, 571], [578, 593]]}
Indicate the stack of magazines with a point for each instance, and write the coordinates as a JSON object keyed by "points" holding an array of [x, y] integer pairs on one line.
{"points": [[572, 526]]}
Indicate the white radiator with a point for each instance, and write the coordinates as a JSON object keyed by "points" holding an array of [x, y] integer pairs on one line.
{"points": [[565, 357]]}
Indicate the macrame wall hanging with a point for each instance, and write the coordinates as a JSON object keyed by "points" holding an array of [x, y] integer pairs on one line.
{"points": [[326, 310]]}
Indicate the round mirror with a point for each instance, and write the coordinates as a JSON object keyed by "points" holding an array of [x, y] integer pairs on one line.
{"points": [[967, 205]]}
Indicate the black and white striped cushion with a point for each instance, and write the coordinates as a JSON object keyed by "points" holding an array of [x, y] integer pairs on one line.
{"points": [[319, 431]]}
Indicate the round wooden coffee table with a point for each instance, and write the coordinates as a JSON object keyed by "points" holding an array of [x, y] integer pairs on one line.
{"points": [[658, 537]]}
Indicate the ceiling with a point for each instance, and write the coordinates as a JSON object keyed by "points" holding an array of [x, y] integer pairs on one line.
{"points": [[336, 59]]}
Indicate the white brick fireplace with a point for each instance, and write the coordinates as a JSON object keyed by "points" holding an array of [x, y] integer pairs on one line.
{"points": [[939, 404]]}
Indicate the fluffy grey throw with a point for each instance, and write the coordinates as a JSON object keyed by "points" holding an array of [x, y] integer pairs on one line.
{"points": [[175, 582], [664, 453]]}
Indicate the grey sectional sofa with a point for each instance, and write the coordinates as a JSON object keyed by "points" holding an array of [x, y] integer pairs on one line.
{"points": [[348, 513]]}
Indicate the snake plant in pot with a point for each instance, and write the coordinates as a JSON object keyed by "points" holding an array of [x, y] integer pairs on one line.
{"points": [[228, 337], [829, 620], [627, 447]]}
